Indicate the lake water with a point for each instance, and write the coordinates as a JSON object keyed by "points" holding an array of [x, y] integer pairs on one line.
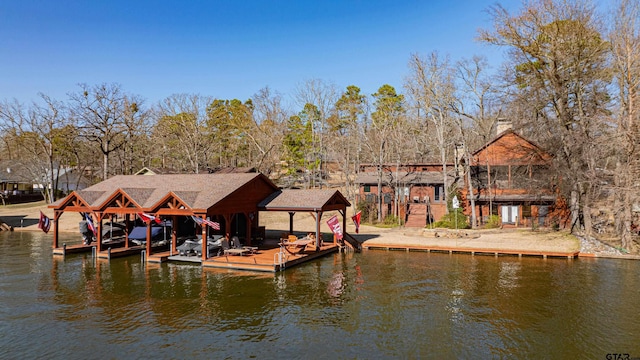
{"points": [[376, 304]]}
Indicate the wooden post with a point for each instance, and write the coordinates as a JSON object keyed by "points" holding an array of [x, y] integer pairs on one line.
{"points": [[99, 240], [126, 233], [205, 248], [56, 217], [248, 228], [174, 233], [318, 217], [148, 247], [227, 224], [100, 216], [344, 225]]}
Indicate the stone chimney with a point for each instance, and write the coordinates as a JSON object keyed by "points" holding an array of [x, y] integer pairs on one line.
{"points": [[503, 125]]}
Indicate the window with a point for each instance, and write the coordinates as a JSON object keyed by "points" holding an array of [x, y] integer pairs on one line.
{"points": [[439, 193], [367, 188]]}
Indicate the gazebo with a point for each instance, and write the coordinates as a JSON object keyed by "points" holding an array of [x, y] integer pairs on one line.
{"points": [[313, 201]]}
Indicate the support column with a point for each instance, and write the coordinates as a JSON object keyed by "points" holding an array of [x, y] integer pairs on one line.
{"points": [[148, 239], [203, 230], [344, 225], [97, 227], [227, 224], [248, 228], [174, 233], [100, 217], [56, 217], [291, 213], [318, 217], [127, 229]]}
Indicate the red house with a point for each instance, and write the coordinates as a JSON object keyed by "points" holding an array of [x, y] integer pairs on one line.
{"points": [[510, 177]]}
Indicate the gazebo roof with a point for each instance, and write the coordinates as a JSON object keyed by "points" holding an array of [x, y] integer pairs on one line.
{"points": [[305, 200]]}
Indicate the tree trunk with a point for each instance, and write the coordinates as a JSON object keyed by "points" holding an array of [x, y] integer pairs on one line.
{"points": [[472, 197], [574, 208]]}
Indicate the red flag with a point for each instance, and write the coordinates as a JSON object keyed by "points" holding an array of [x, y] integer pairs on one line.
{"points": [[44, 223], [356, 220], [147, 218], [334, 225]]}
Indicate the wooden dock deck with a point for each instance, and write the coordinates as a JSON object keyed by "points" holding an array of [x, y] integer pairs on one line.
{"points": [[72, 249], [271, 259], [115, 252], [472, 251]]}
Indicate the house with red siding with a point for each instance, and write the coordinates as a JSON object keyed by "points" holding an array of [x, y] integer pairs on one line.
{"points": [[511, 179]]}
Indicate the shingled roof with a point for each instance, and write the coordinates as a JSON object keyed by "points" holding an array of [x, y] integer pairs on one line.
{"points": [[198, 191], [305, 200]]}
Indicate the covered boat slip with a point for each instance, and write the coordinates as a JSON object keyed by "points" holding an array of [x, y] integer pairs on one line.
{"points": [[218, 204]]}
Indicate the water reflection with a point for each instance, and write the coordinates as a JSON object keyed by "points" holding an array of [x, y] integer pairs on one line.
{"points": [[371, 305]]}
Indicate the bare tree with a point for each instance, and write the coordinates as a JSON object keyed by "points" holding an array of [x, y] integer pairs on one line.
{"points": [[431, 86], [625, 39], [560, 66], [323, 96], [267, 128], [136, 121], [37, 131], [100, 111], [387, 117], [182, 126], [476, 104]]}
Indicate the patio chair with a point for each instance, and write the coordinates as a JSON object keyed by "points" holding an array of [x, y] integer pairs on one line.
{"points": [[238, 245], [235, 248]]}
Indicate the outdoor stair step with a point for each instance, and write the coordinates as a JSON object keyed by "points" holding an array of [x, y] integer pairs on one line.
{"points": [[416, 221]]}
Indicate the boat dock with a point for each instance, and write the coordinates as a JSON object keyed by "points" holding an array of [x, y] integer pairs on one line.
{"points": [[272, 259], [472, 251], [108, 253]]}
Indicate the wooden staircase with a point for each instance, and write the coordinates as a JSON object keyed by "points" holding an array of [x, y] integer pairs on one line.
{"points": [[417, 215], [351, 243]]}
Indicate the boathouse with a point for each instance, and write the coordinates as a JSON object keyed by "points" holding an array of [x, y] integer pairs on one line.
{"points": [[231, 200]]}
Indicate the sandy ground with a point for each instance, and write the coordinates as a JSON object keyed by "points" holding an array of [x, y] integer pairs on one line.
{"points": [[24, 217]]}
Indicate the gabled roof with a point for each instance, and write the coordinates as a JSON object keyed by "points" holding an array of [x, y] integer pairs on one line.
{"points": [[199, 191], [156, 171], [305, 200], [510, 148], [14, 171]]}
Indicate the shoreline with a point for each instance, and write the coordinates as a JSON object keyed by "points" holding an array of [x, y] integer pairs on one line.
{"points": [[24, 217]]}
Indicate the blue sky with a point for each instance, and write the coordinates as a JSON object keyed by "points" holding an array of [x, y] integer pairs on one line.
{"points": [[226, 49]]}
